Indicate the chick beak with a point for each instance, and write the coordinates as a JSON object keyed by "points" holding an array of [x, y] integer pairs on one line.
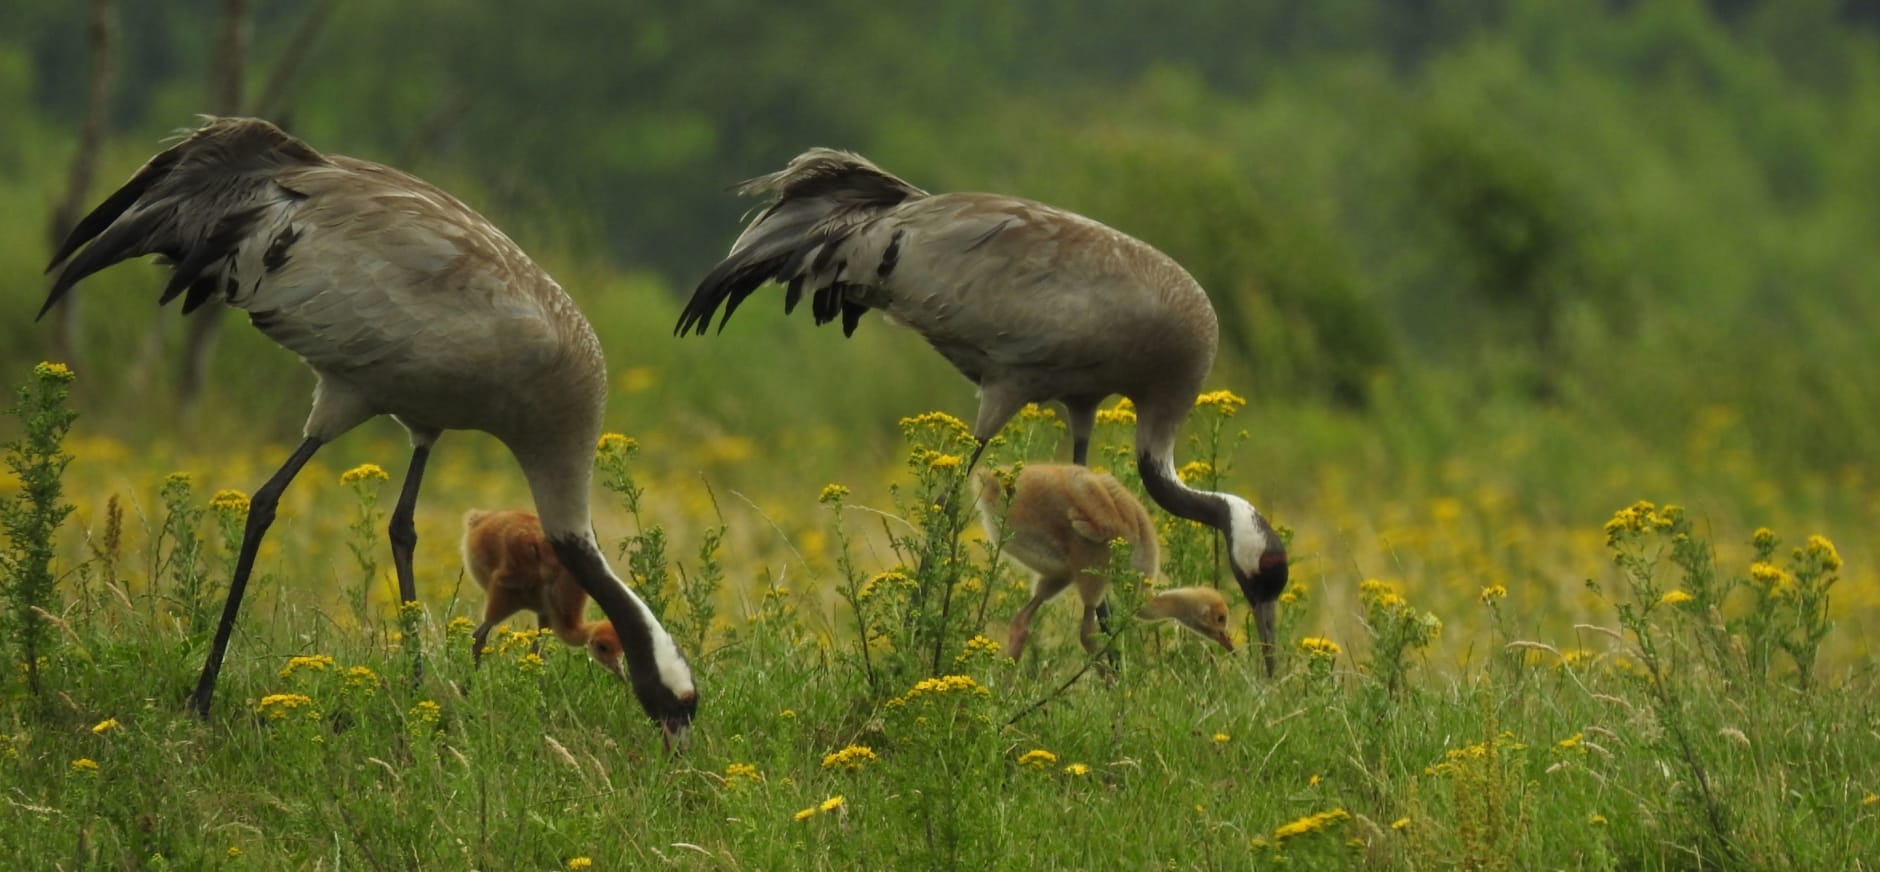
{"points": [[1226, 640]]}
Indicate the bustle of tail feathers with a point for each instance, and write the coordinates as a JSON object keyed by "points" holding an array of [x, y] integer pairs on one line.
{"points": [[192, 203], [818, 200]]}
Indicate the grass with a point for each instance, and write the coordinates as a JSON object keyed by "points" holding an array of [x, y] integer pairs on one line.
{"points": [[1451, 692]]}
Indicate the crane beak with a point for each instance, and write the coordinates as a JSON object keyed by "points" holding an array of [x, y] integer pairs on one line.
{"points": [[677, 736], [1264, 618]]}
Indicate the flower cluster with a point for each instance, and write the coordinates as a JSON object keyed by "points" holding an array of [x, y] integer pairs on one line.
{"points": [[229, 502], [738, 772], [1224, 403], [1675, 597], [310, 662], [1640, 517], [851, 758], [1311, 823], [1195, 472], [946, 684], [976, 646], [104, 726], [832, 493], [1037, 758], [1319, 647], [1124, 412], [612, 443], [50, 371], [364, 472], [1493, 593], [1076, 770], [826, 806], [277, 706]]}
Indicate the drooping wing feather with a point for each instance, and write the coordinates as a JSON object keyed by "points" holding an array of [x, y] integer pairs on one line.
{"points": [[196, 203]]}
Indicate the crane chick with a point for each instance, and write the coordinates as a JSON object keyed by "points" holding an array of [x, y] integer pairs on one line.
{"points": [[1062, 519], [512, 561]]}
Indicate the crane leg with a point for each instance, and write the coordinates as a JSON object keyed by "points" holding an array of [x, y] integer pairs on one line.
{"points": [[260, 515], [404, 535]]}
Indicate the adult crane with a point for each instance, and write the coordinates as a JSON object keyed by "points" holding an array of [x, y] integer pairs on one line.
{"points": [[1030, 302], [404, 302]]}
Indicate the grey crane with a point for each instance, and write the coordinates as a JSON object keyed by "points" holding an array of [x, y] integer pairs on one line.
{"points": [[404, 302], [1030, 302]]}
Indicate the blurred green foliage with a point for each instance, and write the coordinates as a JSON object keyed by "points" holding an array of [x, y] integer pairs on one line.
{"points": [[1597, 207]]}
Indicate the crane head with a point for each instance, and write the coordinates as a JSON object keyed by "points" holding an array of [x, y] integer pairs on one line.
{"points": [[1260, 566]]}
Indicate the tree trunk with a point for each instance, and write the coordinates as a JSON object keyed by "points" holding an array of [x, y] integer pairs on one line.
{"points": [[226, 82], [101, 35]]}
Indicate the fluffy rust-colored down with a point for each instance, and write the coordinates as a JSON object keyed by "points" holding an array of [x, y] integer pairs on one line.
{"points": [[512, 561], [1062, 519]]}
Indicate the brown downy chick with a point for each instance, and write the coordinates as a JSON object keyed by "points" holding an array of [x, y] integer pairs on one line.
{"points": [[1062, 519], [1201, 609], [512, 561]]}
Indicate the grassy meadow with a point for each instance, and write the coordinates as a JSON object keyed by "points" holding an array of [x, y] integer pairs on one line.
{"points": [[1546, 333], [1507, 664]]}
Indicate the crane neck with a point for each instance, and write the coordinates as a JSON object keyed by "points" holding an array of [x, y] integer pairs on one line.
{"points": [[1156, 465]]}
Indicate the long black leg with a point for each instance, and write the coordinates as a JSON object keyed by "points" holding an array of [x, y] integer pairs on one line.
{"points": [[404, 536], [260, 514], [1081, 415]]}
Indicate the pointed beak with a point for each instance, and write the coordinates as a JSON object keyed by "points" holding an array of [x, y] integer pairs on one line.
{"points": [[677, 736], [1226, 640], [1265, 618]]}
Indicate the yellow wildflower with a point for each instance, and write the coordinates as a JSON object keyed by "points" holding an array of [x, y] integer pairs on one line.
{"points": [[944, 461], [978, 645], [832, 493], [935, 420], [1823, 550], [1077, 770], [1400, 824], [1124, 412], [1195, 471], [1764, 539], [1571, 743], [1675, 597], [746, 771], [459, 626], [580, 863], [615, 442], [105, 726], [805, 814], [277, 706], [1035, 412], [362, 678], [85, 765], [310, 662], [530, 660], [364, 472], [787, 714], [1493, 593], [1319, 647], [427, 712], [53, 371], [1311, 823], [231, 502], [1870, 799], [1598, 820], [1224, 402], [1313, 781], [1037, 758], [1222, 738], [832, 803], [943, 684], [234, 852], [853, 757]]}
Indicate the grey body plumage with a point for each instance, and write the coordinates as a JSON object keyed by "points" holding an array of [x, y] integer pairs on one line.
{"points": [[404, 302], [1031, 302]]}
